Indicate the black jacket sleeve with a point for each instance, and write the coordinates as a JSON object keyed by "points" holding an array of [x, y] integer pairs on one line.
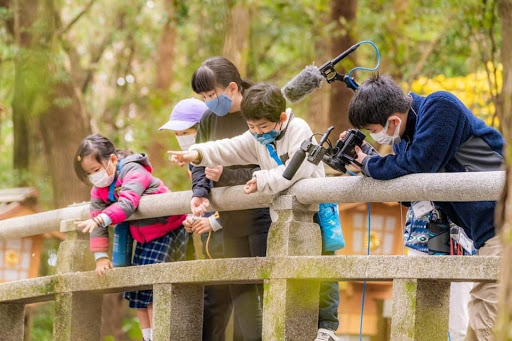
{"points": [[200, 184], [238, 176]]}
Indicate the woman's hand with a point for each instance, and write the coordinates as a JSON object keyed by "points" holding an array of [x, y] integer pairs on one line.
{"points": [[87, 225], [198, 206], [201, 225], [251, 186], [102, 265], [213, 173]]}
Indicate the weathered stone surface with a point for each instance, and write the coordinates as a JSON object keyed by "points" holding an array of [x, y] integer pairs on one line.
{"points": [[290, 310], [294, 233], [403, 321], [77, 317], [420, 310], [462, 269], [40, 223], [177, 312], [477, 186], [74, 253], [291, 272], [290, 307], [12, 321], [247, 270], [414, 187]]}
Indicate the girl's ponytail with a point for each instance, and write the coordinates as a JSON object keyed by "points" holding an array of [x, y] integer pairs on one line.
{"points": [[246, 84], [123, 153], [217, 71]]}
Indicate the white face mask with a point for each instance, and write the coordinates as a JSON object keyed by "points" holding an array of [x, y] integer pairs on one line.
{"points": [[101, 178], [382, 136], [186, 141]]}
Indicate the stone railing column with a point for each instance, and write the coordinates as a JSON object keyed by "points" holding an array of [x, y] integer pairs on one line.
{"points": [[12, 321], [420, 310], [290, 307], [77, 314], [177, 312]]}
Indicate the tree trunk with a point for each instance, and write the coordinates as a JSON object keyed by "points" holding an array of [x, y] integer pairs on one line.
{"points": [[163, 79], [318, 117], [62, 128], [236, 43], [504, 319], [45, 95], [25, 14], [505, 97], [165, 59], [114, 311], [343, 15]]}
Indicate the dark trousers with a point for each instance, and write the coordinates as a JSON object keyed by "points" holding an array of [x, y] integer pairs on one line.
{"points": [[329, 301], [217, 298], [247, 298]]}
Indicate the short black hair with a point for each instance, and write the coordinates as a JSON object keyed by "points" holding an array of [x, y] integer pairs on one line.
{"points": [[376, 100], [263, 100]]}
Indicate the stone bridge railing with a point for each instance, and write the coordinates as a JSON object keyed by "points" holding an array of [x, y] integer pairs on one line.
{"points": [[291, 272]]}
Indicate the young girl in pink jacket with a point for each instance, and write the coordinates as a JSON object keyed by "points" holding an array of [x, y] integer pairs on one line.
{"points": [[119, 180]]}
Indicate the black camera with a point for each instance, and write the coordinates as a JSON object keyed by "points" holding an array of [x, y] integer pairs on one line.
{"points": [[337, 157]]}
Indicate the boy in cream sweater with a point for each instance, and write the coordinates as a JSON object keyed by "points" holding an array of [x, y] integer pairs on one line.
{"points": [[270, 126], [274, 136]]}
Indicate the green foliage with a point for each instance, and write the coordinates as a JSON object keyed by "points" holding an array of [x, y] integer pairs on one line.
{"points": [[42, 326], [425, 44], [404, 30], [132, 328], [119, 45]]}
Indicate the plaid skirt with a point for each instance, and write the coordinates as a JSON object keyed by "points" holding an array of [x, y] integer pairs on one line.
{"points": [[170, 248]]}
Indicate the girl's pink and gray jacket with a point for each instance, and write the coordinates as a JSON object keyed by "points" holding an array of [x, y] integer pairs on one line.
{"points": [[132, 181]]}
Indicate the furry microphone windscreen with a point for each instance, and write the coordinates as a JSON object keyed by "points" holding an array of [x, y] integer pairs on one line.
{"points": [[304, 83]]}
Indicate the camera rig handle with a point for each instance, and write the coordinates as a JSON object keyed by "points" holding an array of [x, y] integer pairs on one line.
{"points": [[331, 75]]}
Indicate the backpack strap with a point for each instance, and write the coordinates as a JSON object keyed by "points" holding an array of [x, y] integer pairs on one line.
{"points": [[272, 151]]}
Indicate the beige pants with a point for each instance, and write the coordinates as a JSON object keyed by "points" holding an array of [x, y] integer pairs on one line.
{"points": [[483, 306]]}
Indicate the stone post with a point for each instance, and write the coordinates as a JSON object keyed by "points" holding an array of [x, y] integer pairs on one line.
{"points": [[177, 312], [12, 321], [420, 310], [290, 307], [74, 254], [77, 314]]}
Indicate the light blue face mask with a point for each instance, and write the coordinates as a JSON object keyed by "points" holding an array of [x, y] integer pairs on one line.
{"points": [[221, 105], [266, 138]]}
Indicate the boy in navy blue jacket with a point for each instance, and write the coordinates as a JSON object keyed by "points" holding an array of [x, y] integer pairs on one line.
{"points": [[437, 133]]}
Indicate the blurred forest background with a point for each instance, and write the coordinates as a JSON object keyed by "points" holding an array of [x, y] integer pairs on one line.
{"points": [[72, 67]]}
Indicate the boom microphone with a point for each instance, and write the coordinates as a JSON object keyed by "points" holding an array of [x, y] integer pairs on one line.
{"points": [[303, 84], [311, 77]]}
